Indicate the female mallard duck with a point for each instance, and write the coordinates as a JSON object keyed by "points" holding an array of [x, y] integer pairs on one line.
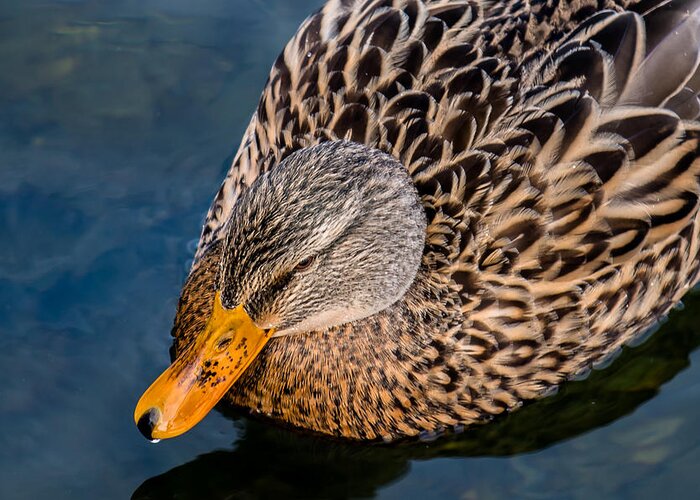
{"points": [[441, 209]]}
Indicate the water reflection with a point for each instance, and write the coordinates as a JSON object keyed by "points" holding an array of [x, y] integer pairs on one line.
{"points": [[269, 461]]}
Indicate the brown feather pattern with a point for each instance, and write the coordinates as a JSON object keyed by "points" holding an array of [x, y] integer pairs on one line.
{"points": [[559, 173]]}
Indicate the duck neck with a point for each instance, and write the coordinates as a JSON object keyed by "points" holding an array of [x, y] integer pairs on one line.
{"points": [[397, 373]]}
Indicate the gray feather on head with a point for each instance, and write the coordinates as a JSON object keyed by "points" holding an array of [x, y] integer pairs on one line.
{"points": [[333, 234]]}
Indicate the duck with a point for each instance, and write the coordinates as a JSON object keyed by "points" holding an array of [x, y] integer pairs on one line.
{"points": [[440, 211]]}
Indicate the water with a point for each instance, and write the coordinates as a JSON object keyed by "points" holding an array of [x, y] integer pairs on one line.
{"points": [[116, 121]]}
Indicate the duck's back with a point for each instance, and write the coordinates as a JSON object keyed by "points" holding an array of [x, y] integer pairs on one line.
{"points": [[426, 80], [555, 147]]}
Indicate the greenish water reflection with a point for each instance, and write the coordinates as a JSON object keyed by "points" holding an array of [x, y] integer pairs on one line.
{"points": [[116, 119]]}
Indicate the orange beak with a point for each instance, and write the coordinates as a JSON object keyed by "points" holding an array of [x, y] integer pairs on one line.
{"points": [[201, 375]]}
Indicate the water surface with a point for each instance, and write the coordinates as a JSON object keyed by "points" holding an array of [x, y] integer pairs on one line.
{"points": [[117, 119]]}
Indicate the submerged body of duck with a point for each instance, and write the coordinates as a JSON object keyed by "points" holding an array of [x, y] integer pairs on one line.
{"points": [[441, 209]]}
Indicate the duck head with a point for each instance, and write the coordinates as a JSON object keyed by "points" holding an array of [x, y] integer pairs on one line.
{"points": [[332, 235]]}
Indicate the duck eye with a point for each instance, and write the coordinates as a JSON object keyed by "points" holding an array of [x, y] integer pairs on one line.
{"points": [[304, 264]]}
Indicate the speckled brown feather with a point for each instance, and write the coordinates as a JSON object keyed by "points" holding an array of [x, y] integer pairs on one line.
{"points": [[560, 183]]}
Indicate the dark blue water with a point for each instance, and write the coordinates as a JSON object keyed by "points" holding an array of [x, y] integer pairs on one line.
{"points": [[116, 121]]}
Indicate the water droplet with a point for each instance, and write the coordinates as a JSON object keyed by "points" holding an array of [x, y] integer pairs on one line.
{"points": [[192, 246], [428, 436], [581, 375], [639, 339], [607, 360], [548, 392]]}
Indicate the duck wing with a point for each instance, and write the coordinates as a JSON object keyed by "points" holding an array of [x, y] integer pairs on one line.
{"points": [[586, 229]]}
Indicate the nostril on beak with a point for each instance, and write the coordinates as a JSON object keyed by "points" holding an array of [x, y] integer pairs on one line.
{"points": [[148, 422]]}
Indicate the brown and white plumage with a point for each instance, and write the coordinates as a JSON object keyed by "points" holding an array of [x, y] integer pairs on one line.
{"points": [[554, 146]]}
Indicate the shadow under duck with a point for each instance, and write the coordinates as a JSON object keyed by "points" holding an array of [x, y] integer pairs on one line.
{"points": [[441, 209]]}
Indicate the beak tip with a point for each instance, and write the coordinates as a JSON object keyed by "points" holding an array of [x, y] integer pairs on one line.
{"points": [[147, 423]]}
